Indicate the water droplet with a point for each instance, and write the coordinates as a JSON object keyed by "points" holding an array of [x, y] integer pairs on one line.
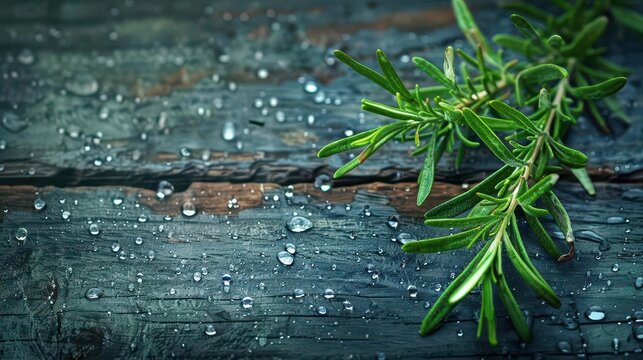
{"points": [[329, 294], [65, 214], [564, 347], [210, 331], [604, 245], [347, 305], [323, 182], [291, 248], [197, 276], [143, 218], [188, 209], [403, 238], [298, 293], [94, 293], [366, 210], [638, 282], [298, 224], [615, 345], [94, 229], [570, 323], [262, 73], [14, 123], [26, 57], [117, 200], [460, 333], [393, 222], [131, 287], [164, 189], [39, 204], [139, 240], [320, 97], [616, 220], [589, 235], [413, 291], [322, 310], [228, 132], [637, 331], [115, 247], [615, 267], [82, 84], [21, 234], [285, 258], [227, 279], [246, 302], [595, 313], [311, 87]]}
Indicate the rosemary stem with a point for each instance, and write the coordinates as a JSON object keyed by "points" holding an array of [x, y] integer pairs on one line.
{"points": [[528, 167], [483, 94]]}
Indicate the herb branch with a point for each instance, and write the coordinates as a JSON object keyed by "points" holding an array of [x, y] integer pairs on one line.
{"points": [[558, 73]]}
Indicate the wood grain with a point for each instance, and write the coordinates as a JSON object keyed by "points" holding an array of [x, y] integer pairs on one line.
{"points": [[62, 255]]}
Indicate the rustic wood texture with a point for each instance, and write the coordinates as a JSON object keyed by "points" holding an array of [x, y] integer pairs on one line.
{"points": [[164, 71], [158, 86], [45, 278]]}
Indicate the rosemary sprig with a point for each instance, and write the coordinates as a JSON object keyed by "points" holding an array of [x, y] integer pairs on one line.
{"points": [[558, 74]]}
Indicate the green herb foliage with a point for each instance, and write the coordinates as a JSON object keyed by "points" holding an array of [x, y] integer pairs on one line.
{"points": [[519, 94]]}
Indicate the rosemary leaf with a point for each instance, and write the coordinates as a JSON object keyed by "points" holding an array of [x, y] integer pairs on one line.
{"points": [[490, 138]]}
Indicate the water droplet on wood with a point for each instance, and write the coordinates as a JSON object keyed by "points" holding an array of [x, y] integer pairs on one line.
{"points": [[298, 224]]}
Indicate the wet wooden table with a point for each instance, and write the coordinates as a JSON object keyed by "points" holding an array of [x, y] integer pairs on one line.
{"points": [[229, 101]]}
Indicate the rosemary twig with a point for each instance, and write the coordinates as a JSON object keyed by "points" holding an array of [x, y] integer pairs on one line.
{"points": [[482, 101]]}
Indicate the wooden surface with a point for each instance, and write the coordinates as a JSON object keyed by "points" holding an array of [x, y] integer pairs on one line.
{"points": [[155, 64]]}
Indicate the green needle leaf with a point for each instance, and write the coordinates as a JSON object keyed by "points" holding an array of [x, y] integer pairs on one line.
{"points": [[471, 31], [511, 42], [463, 16], [568, 156], [515, 314], [468, 199], [584, 180], [462, 222], [391, 75], [389, 111], [490, 138], [539, 74], [628, 17], [555, 41], [542, 73], [442, 307], [525, 27], [426, 176], [586, 38], [500, 124], [600, 90], [345, 144], [475, 277], [543, 237], [383, 135], [489, 314], [512, 114], [364, 70], [540, 287], [538, 190], [432, 71], [442, 243], [557, 210]]}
